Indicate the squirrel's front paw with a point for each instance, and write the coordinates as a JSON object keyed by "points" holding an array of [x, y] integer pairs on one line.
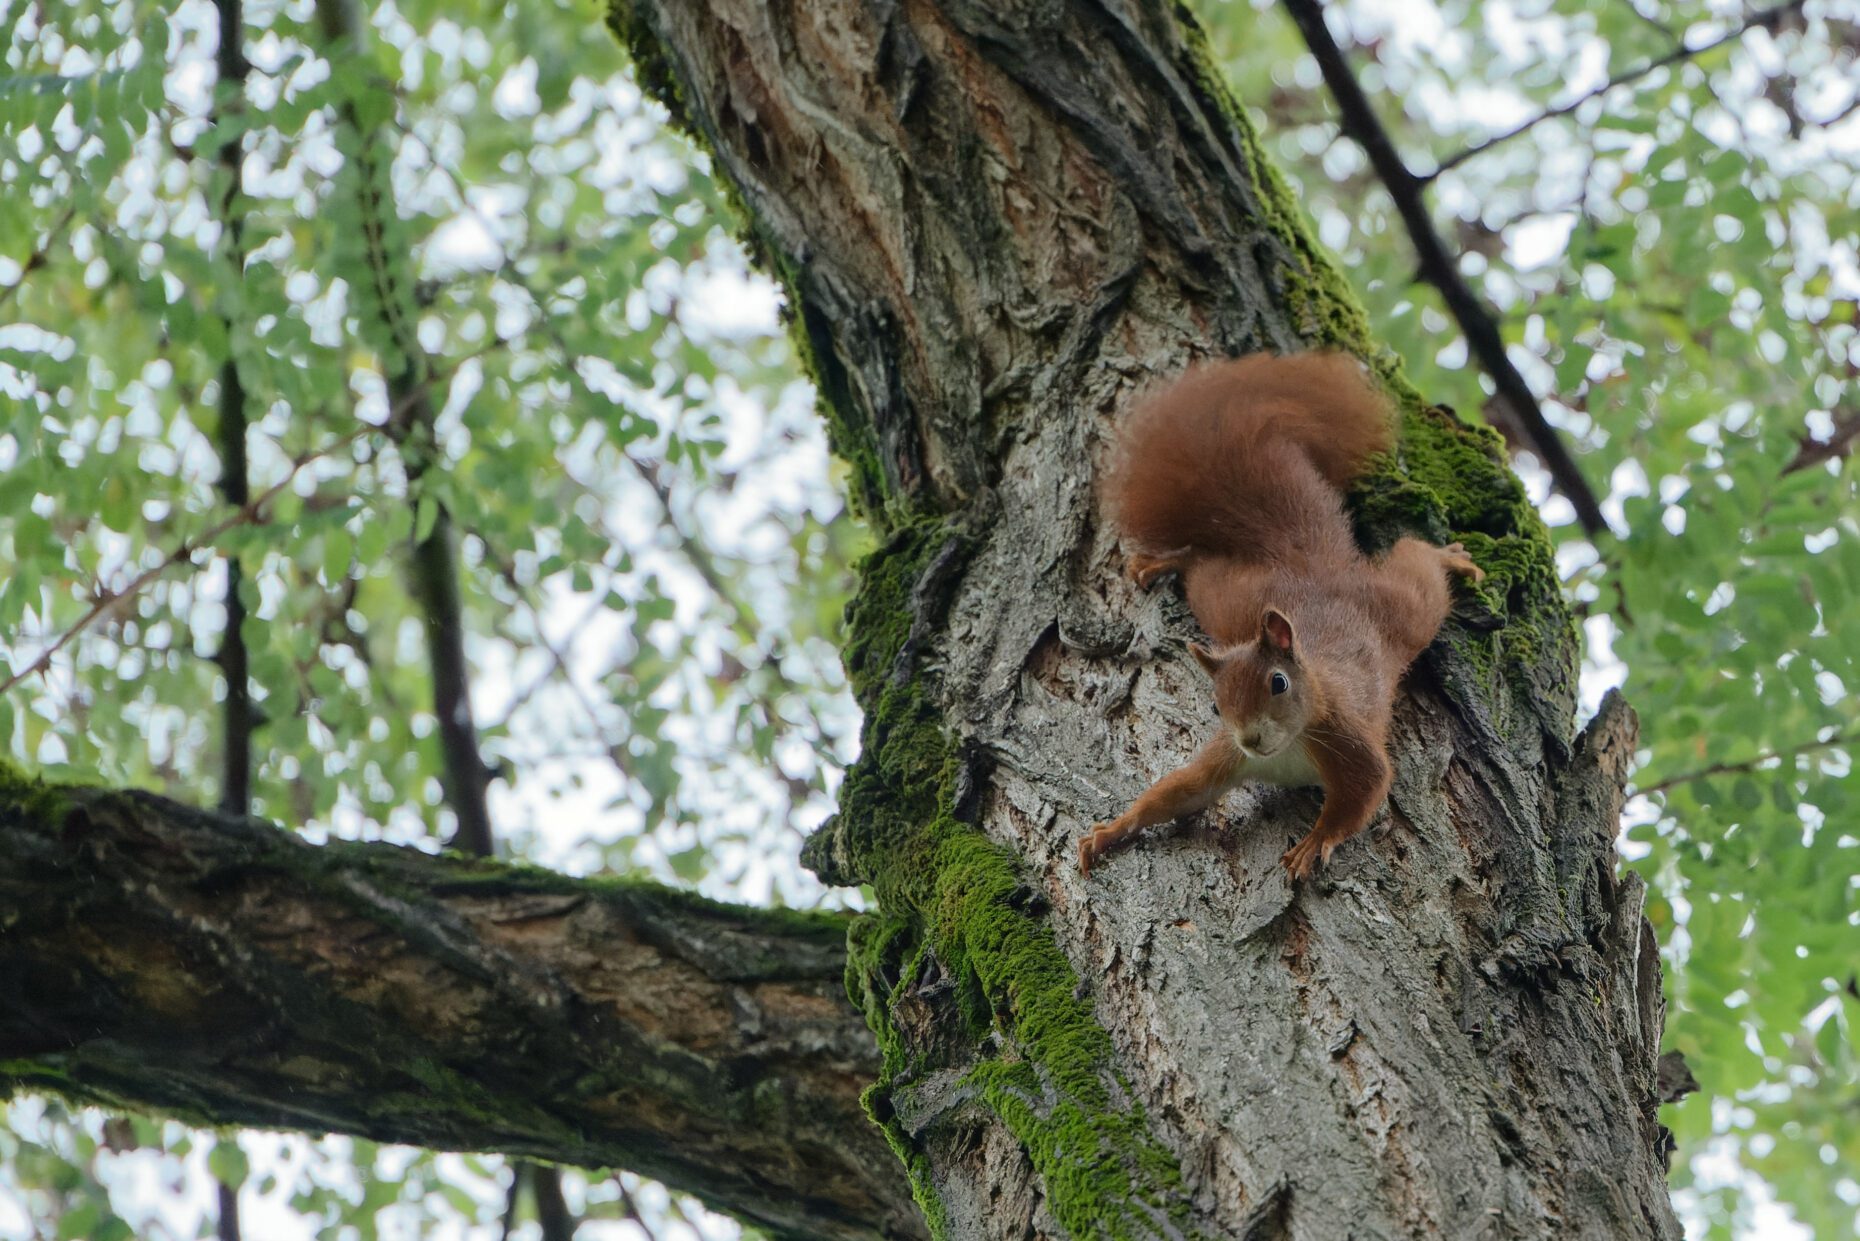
{"points": [[1306, 856], [1458, 561], [1095, 844]]}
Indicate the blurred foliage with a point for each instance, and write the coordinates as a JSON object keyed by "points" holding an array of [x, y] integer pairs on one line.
{"points": [[1675, 265], [654, 555]]}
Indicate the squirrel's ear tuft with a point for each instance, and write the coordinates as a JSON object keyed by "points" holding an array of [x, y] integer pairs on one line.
{"points": [[1276, 631], [1205, 657]]}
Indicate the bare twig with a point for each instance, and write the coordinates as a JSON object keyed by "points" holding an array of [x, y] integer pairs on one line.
{"points": [[1438, 268], [40, 256], [1744, 765], [249, 514], [1839, 443], [1763, 17]]}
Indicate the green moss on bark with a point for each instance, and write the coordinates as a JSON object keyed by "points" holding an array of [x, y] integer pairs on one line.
{"points": [[25, 794], [945, 888]]}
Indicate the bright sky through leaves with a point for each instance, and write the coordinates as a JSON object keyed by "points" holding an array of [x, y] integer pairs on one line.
{"points": [[656, 553]]}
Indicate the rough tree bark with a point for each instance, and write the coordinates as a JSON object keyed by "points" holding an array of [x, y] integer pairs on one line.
{"points": [[995, 222], [218, 969]]}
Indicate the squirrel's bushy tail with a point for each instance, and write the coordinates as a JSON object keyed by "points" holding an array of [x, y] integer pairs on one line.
{"points": [[1228, 459]]}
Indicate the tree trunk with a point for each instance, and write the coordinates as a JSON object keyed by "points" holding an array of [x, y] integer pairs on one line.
{"points": [[996, 221]]}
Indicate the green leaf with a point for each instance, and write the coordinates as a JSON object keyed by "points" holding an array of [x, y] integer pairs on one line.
{"points": [[228, 1163], [428, 517]]}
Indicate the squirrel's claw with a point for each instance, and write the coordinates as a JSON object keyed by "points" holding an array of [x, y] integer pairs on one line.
{"points": [[1100, 840], [1306, 856]]}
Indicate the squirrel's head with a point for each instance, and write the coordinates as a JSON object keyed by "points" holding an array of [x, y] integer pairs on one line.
{"points": [[1260, 688]]}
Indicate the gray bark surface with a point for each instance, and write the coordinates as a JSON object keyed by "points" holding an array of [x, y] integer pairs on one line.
{"points": [[998, 222]]}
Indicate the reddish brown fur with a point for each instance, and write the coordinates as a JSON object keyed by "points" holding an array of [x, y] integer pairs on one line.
{"points": [[1246, 457], [1232, 477]]}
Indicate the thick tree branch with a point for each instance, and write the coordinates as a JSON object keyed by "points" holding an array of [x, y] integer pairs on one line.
{"points": [[224, 971], [1438, 268]]}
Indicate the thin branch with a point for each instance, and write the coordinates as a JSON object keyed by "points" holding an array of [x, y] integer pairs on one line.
{"points": [[1744, 765], [1653, 21], [552, 1212], [250, 514], [633, 1214], [1438, 268], [226, 1223], [1839, 443], [434, 570], [1763, 17], [558, 654], [234, 660], [239, 719], [39, 257], [511, 1199]]}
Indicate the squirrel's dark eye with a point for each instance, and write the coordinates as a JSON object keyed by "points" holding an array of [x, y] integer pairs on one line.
{"points": [[1279, 683]]}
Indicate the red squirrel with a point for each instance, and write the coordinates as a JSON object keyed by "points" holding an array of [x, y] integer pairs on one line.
{"points": [[1232, 477]]}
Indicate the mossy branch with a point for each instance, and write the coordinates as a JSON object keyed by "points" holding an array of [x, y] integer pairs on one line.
{"points": [[225, 972]]}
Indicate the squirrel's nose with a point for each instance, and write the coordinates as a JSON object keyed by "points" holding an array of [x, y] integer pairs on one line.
{"points": [[1250, 740]]}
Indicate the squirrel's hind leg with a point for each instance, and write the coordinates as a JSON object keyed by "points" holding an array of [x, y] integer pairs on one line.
{"points": [[1145, 568], [1411, 592], [1457, 560]]}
